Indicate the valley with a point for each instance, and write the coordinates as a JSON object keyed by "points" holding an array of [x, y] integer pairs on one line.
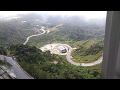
{"points": [[48, 49]]}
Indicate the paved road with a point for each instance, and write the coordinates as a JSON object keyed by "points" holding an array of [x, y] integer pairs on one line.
{"points": [[81, 64], [93, 63], [69, 53], [34, 36], [19, 72]]}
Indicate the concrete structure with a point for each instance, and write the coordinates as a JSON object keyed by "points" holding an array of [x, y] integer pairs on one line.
{"points": [[16, 68], [6, 73], [111, 55], [62, 49], [5, 69], [2, 57]]}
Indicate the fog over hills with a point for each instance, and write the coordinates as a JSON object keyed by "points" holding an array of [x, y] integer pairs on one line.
{"points": [[87, 14], [80, 33], [21, 24]]}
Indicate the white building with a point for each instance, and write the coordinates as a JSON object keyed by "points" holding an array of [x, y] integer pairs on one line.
{"points": [[62, 49]]}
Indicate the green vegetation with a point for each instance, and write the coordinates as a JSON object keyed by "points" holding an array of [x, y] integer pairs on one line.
{"points": [[15, 31], [67, 33], [88, 52], [3, 50], [88, 41], [86, 36], [93, 72], [85, 59], [55, 28], [40, 64]]}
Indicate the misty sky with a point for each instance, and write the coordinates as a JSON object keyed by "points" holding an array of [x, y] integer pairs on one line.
{"points": [[87, 14]]}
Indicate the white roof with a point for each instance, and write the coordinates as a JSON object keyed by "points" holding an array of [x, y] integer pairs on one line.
{"points": [[61, 48]]}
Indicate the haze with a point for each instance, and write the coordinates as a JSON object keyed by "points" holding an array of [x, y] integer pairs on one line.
{"points": [[87, 14]]}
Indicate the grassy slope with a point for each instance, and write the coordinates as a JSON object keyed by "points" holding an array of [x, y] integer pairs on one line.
{"points": [[42, 40], [38, 64], [53, 38], [78, 57], [14, 31], [85, 59], [64, 69]]}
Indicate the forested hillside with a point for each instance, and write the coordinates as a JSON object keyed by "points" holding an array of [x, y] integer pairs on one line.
{"points": [[13, 31], [16, 31], [43, 65], [85, 36], [68, 33]]}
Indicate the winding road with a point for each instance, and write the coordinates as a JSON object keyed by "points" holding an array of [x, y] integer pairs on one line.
{"points": [[21, 74], [69, 53], [80, 64], [43, 32]]}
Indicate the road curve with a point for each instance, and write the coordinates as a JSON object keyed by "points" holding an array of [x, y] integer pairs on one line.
{"points": [[34, 36], [81, 64], [69, 53], [93, 63], [19, 72]]}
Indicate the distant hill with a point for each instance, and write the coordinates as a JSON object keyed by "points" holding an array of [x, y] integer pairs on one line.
{"points": [[15, 31]]}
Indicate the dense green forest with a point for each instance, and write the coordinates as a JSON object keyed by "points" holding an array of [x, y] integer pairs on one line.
{"points": [[15, 31], [67, 33], [41, 65], [3, 50]]}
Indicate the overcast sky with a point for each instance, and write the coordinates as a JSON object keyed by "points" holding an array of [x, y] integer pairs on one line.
{"points": [[87, 14]]}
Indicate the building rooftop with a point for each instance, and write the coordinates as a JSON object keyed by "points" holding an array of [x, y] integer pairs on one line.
{"points": [[61, 48]]}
